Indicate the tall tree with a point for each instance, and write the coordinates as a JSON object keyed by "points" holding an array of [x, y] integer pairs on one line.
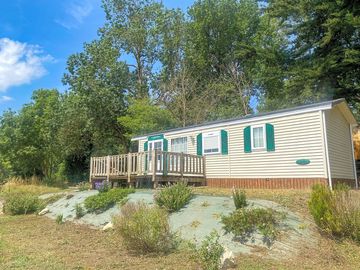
{"points": [[133, 27], [325, 48]]}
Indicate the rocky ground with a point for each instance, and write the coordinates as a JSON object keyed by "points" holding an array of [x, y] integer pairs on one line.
{"points": [[198, 219]]}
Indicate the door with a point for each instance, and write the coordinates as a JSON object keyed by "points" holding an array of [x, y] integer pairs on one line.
{"points": [[155, 145]]}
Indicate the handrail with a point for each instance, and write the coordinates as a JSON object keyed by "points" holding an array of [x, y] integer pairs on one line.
{"points": [[151, 163]]}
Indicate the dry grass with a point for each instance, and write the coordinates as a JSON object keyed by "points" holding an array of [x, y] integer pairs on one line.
{"points": [[32, 242], [23, 187]]}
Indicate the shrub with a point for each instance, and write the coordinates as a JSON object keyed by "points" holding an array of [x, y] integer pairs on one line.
{"points": [[145, 228], [79, 211], [243, 222], [173, 197], [21, 203], [102, 186], [336, 212], [210, 251], [104, 200], [239, 197], [83, 186]]}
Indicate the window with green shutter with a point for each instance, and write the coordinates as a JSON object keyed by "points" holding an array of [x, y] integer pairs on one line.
{"points": [[259, 137]]}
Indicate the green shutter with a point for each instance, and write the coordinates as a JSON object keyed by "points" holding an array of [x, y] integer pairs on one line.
{"points": [[224, 142], [145, 146], [199, 144], [270, 138], [247, 139], [165, 145], [146, 156]]}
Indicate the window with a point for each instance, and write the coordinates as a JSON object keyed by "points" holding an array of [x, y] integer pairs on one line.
{"points": [[211, 143], [258, 137], [179, 145]]}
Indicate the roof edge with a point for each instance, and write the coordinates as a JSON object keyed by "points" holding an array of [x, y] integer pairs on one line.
{"points": [[325, 105]]}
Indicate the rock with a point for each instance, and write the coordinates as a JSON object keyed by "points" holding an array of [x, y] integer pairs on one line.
{"points": [[108, 226], [227, 259], [44, 211]]}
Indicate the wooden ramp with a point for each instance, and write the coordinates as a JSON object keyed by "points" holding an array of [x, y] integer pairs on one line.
{"points": [[152, 167]]}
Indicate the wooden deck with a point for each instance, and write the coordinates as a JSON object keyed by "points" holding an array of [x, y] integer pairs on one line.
{"points": [[154, 167]]}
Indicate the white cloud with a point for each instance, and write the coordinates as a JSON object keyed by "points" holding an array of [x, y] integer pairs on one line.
{"points": [[20, 63], [76, 12], [4, 99]]}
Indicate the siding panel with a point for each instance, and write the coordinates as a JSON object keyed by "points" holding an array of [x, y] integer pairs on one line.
{"points": [[339, 145]]}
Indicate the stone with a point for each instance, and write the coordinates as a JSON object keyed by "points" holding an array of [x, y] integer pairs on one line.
{"points": [[44, 211], [227, 259], [108, 226]]}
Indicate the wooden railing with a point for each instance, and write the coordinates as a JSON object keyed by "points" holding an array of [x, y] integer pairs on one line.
{"points": [[152, 163]]}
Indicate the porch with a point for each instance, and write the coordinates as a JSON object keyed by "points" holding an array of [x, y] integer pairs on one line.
{"points": [[151, 167]]}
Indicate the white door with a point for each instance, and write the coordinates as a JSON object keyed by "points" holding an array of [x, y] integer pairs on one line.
{"points": [[155, 145]]}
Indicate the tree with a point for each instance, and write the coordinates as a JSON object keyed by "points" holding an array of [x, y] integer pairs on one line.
{"points": [[325, 47], [133, 27]]}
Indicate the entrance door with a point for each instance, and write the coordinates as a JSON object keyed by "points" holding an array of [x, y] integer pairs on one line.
{"points": [[155, 145]]}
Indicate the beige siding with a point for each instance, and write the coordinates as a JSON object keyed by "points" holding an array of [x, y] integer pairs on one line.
{"points": [[339, 145], [296, 137]]}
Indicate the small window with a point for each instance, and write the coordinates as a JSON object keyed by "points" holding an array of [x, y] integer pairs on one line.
{"points": [[258, 137], [211, 143], [179, 145]]}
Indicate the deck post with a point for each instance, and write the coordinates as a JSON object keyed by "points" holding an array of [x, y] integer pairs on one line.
{"points": [[108, 169], [154, 159], [91, 169], [129, 166], [182, 166], [204, 167]]}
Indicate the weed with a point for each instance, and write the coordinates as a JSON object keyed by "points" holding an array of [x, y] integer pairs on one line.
{"points": [[79, 211], [21, 203], [83, 186], [210, 251], [59, 219], [239, 197]]}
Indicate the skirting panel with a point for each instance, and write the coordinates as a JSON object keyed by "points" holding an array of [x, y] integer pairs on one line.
{"points": [[270, 183]]}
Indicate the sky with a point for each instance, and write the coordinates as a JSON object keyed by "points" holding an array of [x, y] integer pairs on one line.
{"points": [[37, 37]]}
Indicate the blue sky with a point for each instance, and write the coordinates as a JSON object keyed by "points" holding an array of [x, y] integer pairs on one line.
{"points": [[37, 36]]}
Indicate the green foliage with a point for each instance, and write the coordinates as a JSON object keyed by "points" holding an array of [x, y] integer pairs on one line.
{"points": [[59, 219], [101, 202], [143, 116], [210, 251], [83, 186], [103, 187], [79, 211], [173, 197], [21, 203], [144, 228], [243, 222], [239, 197], [336, 212]]}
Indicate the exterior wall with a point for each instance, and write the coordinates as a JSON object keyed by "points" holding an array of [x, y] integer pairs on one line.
{"points": [[297, 136], [339, 145]]}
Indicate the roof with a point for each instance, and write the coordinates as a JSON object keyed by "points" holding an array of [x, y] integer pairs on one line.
{"points": [[295, 110]]}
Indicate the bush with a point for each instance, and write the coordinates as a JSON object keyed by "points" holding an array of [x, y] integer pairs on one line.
{"points": [[83, 186], [145, 228], [336, 212], [173, 197], [239, 197], [104, 200], [243, 222], [102, 186], [21, 203], [79, 211], [210, 252]]}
